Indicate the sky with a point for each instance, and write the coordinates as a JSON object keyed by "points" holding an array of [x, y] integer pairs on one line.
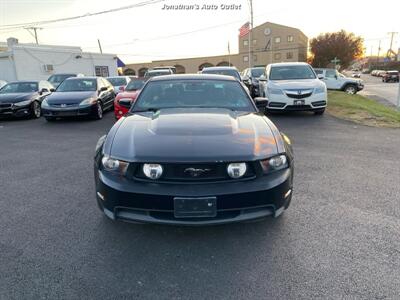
{"points": [[152, 33]]}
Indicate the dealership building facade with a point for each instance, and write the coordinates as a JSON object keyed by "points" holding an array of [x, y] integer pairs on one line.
{"points": [[270, 43]]}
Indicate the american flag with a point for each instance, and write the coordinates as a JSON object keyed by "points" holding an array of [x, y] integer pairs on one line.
{"points": [[245, 29]]}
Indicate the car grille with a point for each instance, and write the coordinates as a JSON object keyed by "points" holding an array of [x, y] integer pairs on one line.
{"points": [[299, 94], [187, 172], [64, 105], [297, 107], [5, 105]]}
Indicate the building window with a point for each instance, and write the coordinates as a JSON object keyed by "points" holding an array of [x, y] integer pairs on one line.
{"points": [[277, 40], [245, 42], [289, 55], [290, 38], [254, 42], [102, 71], [277, 56], [245, 58]]}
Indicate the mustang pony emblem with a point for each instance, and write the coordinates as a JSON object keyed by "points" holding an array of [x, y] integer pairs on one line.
{"points": [[196, 172]]}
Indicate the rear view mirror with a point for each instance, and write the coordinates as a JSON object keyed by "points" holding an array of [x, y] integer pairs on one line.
{"points": [[262, 78], [261, 103], [125, 103]]}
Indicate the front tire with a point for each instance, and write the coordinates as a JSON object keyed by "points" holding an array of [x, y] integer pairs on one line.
{"points": [[350, 89], [36, 110], [319, 112], [99, 111]]}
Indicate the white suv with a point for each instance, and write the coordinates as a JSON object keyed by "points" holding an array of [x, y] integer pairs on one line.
{"points": [[293, 87]]}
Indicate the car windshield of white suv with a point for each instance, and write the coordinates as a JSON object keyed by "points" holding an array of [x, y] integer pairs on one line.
{"points": [[257, 72], [291, 72], [117, 81], [193, 93]]}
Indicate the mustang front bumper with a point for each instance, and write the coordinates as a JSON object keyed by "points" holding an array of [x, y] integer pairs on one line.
{"points": [[129, 200]]}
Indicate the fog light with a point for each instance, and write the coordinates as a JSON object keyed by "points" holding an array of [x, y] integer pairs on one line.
{"points": [[288, 193], [236, 170], [152, 171], [100, 196]]}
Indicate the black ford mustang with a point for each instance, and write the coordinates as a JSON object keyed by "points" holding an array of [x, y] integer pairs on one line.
{"points": [[23, 98], [79, 96], [193, 150]]}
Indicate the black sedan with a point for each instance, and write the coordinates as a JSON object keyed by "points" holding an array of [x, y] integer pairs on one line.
{"points": [[193, 150], [79, 96], [23, 98]]}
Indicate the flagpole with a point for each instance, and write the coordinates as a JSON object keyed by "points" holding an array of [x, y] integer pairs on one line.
{"points": [[229, 54], [251, 28]]}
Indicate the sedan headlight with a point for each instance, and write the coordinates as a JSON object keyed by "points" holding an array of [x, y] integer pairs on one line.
{"points": [[23, 103], [320, 90], [275, 163], [114, 165], [88, 101], [152, 171], [273, 91], [236, 170]]}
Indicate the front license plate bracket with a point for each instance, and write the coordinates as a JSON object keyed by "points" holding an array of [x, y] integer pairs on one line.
{"points": [[199, 207]]}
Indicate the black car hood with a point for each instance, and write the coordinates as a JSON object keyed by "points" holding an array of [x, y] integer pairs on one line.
{"points": [[69, 97], [191, 135], [16, 97]]}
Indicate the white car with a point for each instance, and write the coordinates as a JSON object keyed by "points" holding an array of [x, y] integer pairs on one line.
{"points": [[119, 82], [293, 87]]}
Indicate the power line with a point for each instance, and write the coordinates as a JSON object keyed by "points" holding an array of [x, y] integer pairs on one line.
{"points": [[22, 25]]}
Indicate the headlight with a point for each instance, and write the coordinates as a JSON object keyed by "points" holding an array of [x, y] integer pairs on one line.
{"points": [[114, 165], [272, 91], [274, 164], [23, 103], [236, 170], [45, 103], [320, 90], [152, 171], [88, 101]]}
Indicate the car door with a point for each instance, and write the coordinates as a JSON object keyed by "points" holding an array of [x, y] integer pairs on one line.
{"points": [[110, 92], [332, 80]]}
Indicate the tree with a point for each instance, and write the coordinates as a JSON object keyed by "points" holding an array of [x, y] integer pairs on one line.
{"points": [[342, 45]]}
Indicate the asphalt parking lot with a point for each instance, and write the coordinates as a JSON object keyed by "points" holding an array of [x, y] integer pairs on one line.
{"points": [[378, 90], [338, 240]]}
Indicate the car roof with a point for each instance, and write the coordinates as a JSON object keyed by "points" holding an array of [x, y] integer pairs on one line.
{"points": [[219, 68], [193, 77], [287, 64]]}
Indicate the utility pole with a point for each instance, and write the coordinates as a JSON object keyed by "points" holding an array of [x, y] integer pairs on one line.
{"points": [[390, 51], [35, 29], [250, 33], [101, 50], [379, 51]]}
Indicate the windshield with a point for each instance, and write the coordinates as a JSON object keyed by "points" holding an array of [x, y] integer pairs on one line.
{"points": [[193, 93], [291, 72], [227, 72], [77, 85], [20, 87], [135, 85], [257, 72], [59, 78], [157, 73], [117, 81]]}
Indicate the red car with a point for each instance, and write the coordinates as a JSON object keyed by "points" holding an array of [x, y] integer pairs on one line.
{"points": [[124, 100]]}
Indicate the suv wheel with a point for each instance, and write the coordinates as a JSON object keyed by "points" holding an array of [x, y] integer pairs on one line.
{"points": [[350, 89], [319, 111]]}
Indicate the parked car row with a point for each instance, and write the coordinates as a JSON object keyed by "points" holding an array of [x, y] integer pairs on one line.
{"points": [[390, 76]]}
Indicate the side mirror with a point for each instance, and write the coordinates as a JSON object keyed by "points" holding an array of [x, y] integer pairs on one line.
{"points": [[52, 90], [320, 76], [335, 76], [262, 78], [261, 103], [43, 90], [125, 103]]}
